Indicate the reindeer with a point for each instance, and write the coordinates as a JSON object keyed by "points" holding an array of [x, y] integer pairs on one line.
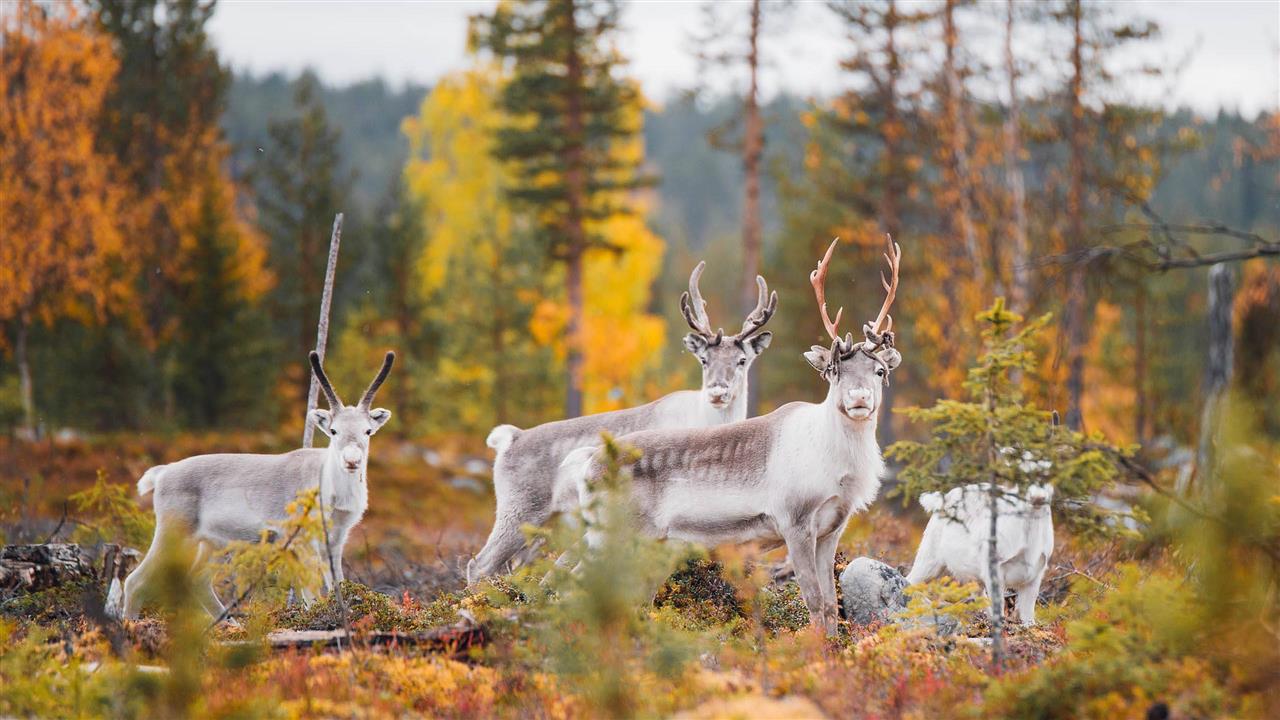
{"points": [[216, 499], [794, 476], [528, 480]]}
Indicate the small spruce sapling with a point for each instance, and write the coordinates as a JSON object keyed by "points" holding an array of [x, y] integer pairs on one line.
{"points": [[1000, 438]]}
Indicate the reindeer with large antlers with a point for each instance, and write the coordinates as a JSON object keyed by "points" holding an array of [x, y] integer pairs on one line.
{"points": [[793, 476], [215, 499], [528, 480]]}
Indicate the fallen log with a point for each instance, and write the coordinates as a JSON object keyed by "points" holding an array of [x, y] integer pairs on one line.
{"points": [[32, 568], [451, 640]]}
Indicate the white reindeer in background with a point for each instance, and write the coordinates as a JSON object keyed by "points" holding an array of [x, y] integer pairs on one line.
{"points": [[528, 480], [216, 499], [795, 475], [958, 540]]}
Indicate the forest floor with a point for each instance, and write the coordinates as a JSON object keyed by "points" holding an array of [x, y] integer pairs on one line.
{"points": [[720, 639]]}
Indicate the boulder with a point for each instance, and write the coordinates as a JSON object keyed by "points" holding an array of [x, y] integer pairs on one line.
{"points": [[872, 591]]}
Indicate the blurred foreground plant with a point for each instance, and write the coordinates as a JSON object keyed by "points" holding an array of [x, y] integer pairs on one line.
{"points": [[597, 623]]}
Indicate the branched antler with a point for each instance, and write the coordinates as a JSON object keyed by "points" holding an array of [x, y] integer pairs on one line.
{"points": [[766, 305], [884, 321], [818, 279], [694, 308]]}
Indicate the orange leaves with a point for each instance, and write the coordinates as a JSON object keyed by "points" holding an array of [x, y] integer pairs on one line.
{"points": [[60, 239]]}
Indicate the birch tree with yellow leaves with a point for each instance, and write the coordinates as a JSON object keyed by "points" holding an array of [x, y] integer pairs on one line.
{"points": [[61, 245]]}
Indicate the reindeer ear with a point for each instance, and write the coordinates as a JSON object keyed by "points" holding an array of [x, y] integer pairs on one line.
{"points": [[759, 342], [695, 342], [321, 419], [890, 357], [819, 357], [379, 417]]}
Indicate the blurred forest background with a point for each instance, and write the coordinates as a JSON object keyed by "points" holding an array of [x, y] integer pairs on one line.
{"points": [[164, 231]]}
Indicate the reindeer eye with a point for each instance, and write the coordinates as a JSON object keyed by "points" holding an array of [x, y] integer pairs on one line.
{"points": [[742, 361], [880, 372], [369, 431], [333, 433]]}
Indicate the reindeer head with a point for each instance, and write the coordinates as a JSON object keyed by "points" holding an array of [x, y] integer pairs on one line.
{"points": [[350, 427], [857, 371], [725, 360]]}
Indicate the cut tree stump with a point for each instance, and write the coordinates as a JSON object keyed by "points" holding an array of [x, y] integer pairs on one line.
{"points": [[32, 568]]}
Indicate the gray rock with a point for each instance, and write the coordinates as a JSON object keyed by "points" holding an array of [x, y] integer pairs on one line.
{"points": [[877, 593], [872, 591]]}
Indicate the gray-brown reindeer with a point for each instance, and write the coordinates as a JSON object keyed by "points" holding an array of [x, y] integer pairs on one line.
{"points": [[794, 476], [215, 499], [528, 479]]}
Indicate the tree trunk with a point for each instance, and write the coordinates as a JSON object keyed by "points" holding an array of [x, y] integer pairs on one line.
{"points": [[1217, 375], [24, 376], [1140, 363], [500, 361], [1076, 315], [891, 132], [995, 590], [322, 328], [1020, 250], [961, 214], [575, 229], [752, 149]]}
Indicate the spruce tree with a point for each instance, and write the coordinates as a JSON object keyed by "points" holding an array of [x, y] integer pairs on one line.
{"points": [[300, 186], [567, 111]]}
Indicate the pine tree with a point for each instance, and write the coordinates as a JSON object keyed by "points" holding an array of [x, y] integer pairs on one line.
{"points": [[566, 110], [998, 438], [300, 185], [163, 125]]}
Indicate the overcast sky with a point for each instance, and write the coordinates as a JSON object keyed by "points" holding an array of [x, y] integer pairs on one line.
{"points": [[1229, 50]]}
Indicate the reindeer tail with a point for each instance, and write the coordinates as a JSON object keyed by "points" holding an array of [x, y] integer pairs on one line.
{"points": [[931, 502], [147, 483], [501, 437]]}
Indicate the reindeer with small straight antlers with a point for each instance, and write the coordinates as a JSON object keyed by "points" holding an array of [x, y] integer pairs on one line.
{"points": [[795, 475], [527, 476], [215, 499]]}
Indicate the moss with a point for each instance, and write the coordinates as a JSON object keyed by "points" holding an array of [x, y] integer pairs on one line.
{"points": [[57, 604], [783, 608], [701, 594], [366, 608]]}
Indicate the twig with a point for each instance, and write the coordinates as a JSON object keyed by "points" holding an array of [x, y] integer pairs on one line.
{"points": [[226, 613], [61, 522]]}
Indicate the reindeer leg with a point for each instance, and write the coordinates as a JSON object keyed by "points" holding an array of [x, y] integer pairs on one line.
{"points": [[826, 558], [141, 575], [802, 547], [203, 581], [506, 538]]}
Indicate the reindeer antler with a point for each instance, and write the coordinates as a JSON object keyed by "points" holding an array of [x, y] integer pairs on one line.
{"points": [[818, 279], [766, 305], [694, 307], [884, 321], [367, 400], [335, 403]]}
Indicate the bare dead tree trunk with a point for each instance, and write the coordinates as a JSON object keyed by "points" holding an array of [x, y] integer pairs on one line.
{"points": [[1217, 375], [1020, 253], [1140, 362], [322, 329], [576, 191], [752, 149], [1075, 316], [24, 375]]}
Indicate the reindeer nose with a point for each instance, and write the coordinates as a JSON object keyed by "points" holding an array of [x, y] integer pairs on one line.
{"points": [[351, 456], [859, 397]]}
